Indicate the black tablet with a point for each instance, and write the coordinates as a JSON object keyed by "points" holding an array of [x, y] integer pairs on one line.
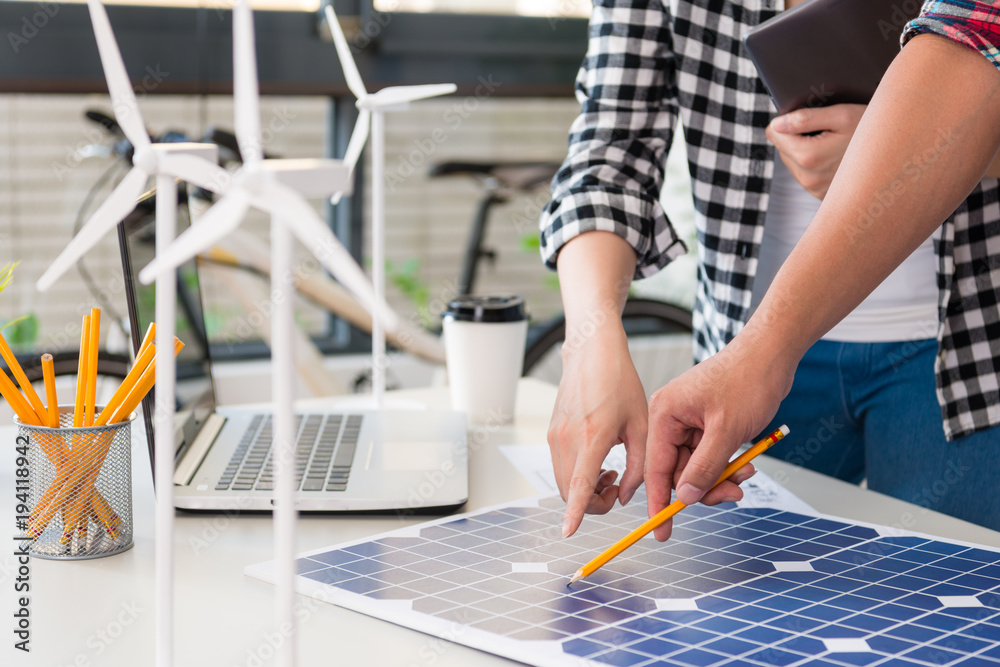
{"points": [[825, 52]]}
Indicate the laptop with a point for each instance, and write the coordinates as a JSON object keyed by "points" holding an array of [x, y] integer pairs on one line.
{"points": [[826, 52], [346, 460]]}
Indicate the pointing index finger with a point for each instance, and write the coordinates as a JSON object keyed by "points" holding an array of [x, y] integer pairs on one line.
{"points": [[581, 489]]}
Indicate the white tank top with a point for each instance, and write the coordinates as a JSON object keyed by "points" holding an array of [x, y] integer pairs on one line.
{"points": [[903, 307]]}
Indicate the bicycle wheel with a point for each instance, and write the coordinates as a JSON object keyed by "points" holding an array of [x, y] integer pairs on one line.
{"points": [[66, 363], [659, 341]]}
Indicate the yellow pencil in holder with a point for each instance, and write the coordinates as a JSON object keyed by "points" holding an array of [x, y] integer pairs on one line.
{"points": [[80, 489]]}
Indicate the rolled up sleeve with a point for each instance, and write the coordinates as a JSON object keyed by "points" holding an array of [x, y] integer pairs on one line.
{"points": [[974, 24], [613, 173]]}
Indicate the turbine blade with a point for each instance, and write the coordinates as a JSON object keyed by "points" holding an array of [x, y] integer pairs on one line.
{"points": [[402, 94], [355, 147], [118, 204], [358, 139], [245, 93], [351, 74], [122, 96], [197, 171], [220, 220], [291, 209]]}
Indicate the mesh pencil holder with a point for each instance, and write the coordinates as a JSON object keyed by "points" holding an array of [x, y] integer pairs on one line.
{"points": [[79, 488]]}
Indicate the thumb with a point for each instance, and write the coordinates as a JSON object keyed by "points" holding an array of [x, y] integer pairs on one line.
{"points": [[635, 448], [703, 469], [800, 121]]}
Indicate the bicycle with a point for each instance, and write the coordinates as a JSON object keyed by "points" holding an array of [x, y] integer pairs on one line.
{"points": [[241, 254], [659, 333]]}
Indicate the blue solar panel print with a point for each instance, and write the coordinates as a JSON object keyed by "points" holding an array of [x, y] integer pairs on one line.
{"points": [[734, 586]]}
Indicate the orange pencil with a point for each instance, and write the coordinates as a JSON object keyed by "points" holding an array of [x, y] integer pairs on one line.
{"points": [[141, 388], [141, 362], [91, 396], [148, 339], [81, 374], [77, 487], [75, 491], [49, 373], [17, 402], [18, 373], [673, 508]]}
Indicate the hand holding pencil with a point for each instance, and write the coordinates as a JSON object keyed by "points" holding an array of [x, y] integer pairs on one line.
{"points": [[673, 508]]}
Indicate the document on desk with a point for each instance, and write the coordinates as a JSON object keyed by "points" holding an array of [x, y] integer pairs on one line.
{"points": [[733, 586], [535, 464]]}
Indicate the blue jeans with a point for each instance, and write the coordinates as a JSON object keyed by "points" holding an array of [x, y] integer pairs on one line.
{"points": [[870, 409]]}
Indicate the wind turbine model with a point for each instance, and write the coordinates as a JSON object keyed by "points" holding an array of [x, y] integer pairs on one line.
{"points": [[187, 161], [191, 162], [279, 187], [372, 110]]}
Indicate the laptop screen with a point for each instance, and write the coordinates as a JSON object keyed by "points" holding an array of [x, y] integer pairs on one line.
{"points": [[196, 394]]}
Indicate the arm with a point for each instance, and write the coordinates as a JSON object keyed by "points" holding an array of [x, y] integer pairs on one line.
{"points": [[603, 226], [928, 136], [600, 401], [993, 171]]}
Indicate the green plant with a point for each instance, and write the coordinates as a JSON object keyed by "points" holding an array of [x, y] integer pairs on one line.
{"points": [[22, 331], [406, 278]]}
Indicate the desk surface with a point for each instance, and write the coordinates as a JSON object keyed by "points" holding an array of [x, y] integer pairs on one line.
{"points": [[101, 612]]}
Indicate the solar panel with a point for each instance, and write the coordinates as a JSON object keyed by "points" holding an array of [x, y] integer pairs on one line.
{"points": [[734, 586]]}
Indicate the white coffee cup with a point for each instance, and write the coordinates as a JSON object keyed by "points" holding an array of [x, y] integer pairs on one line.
{"points": [[484, 343]]}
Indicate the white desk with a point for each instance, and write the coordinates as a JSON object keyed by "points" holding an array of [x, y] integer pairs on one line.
{"points": [[101, 612]]}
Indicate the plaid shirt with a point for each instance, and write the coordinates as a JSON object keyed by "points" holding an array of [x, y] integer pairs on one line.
{"points": [[648, 63]]}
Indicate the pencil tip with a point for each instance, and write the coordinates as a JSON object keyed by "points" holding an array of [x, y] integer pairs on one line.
{"points": [[577, 576]]}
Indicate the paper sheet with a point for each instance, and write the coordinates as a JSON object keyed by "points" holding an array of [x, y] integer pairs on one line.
{"points": [[535, 464]]}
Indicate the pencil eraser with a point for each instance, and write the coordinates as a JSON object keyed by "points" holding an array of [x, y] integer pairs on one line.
{"points": [[784, 430]]}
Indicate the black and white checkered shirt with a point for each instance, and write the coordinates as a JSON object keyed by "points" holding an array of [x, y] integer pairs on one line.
{"points": [[649, 62]]}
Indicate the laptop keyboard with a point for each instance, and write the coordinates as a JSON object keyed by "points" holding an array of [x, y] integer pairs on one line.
{"points": [[324, 451]]}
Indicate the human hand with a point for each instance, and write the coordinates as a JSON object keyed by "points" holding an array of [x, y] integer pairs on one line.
{"points": [[599, 404], [699, 419], [813, 159]]}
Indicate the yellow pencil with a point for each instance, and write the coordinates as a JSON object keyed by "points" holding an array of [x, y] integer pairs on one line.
{"points": [[22, 379], [17, 402], [81, 374], [147, 340], [91, 395], [49, 373], [141, 388], [141, 362], [673, 508]]}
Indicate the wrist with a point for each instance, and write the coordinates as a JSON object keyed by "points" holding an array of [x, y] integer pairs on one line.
{"points": [[600, 327], [766, 357]]}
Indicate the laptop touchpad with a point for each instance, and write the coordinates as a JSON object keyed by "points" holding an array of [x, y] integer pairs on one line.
{"points": [[411, 455]]}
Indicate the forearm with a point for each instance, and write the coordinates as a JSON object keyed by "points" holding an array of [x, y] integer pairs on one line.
{"points": [[924, 142], [993, 171], [595, 273]]}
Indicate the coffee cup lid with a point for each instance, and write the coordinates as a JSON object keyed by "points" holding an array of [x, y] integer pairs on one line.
{"points": [[486, 309]]}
